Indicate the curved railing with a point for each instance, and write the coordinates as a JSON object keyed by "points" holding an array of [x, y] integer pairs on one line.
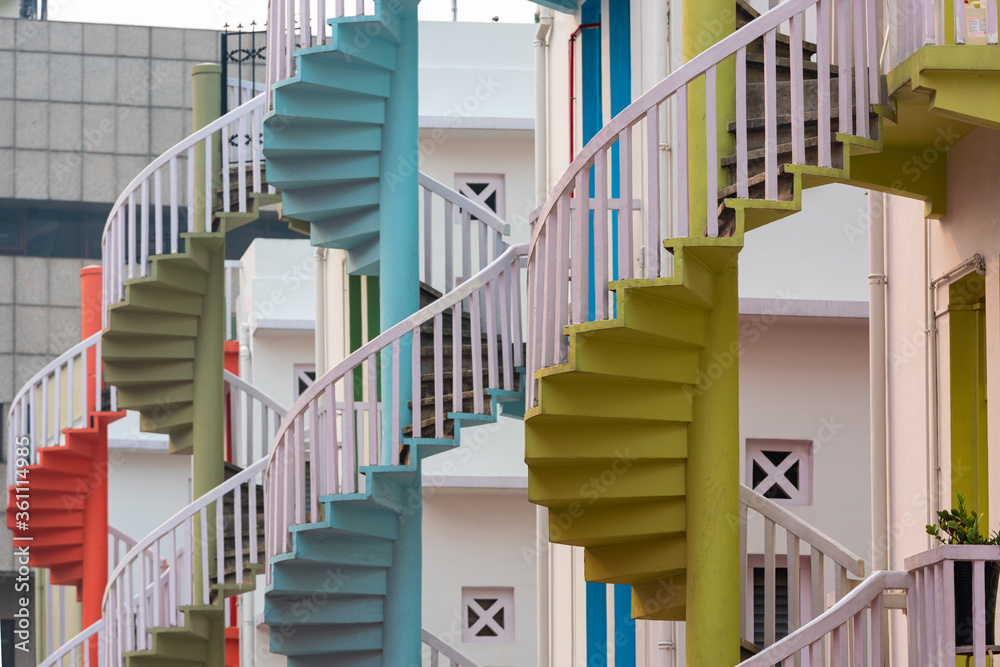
{"points": [[851, 630], [299, 474], [160, 203], [473, 235], [56, 397], [72, 652], [621, 165], [300, 24], [252, 420], [440, 649], [802, 542], [193, 543]]}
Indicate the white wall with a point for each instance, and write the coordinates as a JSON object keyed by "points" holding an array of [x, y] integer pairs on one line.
{"points": [[475, 537], [492, 78], [920, 251], [137, 477], [808, 380], [820, 253]]}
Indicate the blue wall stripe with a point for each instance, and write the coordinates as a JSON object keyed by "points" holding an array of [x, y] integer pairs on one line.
{"points": [[597, 624], [624, 627], [593, 113]]}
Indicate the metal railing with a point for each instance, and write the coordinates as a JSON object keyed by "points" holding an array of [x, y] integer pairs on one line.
{"points": [[58, 396], [801, 539], [321, 434], [622, 164], [159, 204]]}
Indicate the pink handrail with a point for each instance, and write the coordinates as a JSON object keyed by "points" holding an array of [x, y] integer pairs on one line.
{"points": [[329, 413], [562, 243]]}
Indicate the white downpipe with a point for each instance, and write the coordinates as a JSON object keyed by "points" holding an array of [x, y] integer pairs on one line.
{"points": [[319, 258], [248, 635], [878, 388], [662, 65], [541, 105], [542, 564], [877, 371], [543, 576]]}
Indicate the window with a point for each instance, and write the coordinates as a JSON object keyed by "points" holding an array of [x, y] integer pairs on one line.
{"points": [[487, 615], [305, 375], [780, 470], [485, 189], [780, 604]]}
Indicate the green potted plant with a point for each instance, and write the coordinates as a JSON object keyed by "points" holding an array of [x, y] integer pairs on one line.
{"points": [[962, 526]]}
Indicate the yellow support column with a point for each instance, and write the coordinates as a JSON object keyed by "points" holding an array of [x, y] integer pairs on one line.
{"points": [[713, 476], [208, 457], [705, 23]]}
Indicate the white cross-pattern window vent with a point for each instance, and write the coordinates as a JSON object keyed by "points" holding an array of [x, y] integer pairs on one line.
{"points": [[487, 615], [781, 470], [485, 189], [305, 375]]}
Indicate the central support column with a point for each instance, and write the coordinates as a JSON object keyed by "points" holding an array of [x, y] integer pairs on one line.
{"points": [[208, 436], [95, 512], [713, 491], [400, 298], [713, 473], [704, 23]]}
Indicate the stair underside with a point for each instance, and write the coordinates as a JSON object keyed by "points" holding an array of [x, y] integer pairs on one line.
{"points": [[58, 490], [607, 444], [323, 140]]}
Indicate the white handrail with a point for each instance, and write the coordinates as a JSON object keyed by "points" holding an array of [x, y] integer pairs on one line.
{"points": [[189, 573], [254, 418], [821, 549], [492, 300], [932, 615], [441, 649], [624, 156], [845, 624], [808, 533], [56, 397], [473, 235], [137, 219], [71, 647], [485, 215], [294, 25]]}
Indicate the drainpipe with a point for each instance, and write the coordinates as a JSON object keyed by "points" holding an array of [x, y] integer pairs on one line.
{"points": [[877, 373], [572, 84], [541, 105], [319, 257], [662, 67]]}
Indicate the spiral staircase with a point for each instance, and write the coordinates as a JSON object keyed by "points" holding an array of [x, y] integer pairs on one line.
{"points": [[618, 378]]}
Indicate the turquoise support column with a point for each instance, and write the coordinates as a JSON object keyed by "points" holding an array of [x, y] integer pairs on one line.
{"points": [[399, 261], [400, 298]]}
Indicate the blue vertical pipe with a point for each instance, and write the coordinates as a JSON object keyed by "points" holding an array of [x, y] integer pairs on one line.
{"points": [[400, 298]]}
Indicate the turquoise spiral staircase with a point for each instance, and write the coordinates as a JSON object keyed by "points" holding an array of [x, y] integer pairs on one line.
{"points": [[328, 597], [343, 592], [323, 139]]}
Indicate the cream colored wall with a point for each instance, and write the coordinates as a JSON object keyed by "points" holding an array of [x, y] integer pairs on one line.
{"points": [[477, 537], [919, 252], [808, 380], [274, 354], [136, 475], [509, 152]]}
